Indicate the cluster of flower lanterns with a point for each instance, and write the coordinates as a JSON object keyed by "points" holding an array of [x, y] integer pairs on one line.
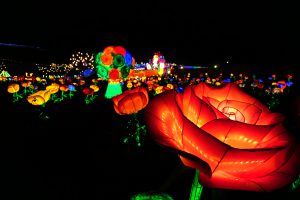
{"points": [[252, 150]]}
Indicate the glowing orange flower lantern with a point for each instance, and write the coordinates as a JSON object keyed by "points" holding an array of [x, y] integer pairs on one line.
{"points": [[230, 137], [64, 88], [131, 101], [13, 88], [26, 84]]}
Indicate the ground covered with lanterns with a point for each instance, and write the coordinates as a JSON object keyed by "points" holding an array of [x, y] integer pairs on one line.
{"points": [[64, 137], [76, 146]]}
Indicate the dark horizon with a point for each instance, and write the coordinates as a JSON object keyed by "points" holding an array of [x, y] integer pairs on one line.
{"points": [[248, 60], [253, 36]]}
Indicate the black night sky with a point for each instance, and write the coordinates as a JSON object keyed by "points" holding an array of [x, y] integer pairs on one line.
{"points": [[187, 33]]}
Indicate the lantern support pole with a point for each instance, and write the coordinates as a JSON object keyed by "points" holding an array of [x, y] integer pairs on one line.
{"points": [[296, 183], [196, 189], [136, 130]]}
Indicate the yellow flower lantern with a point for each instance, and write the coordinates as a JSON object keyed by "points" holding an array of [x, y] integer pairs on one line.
{"points": [[36, 100], [38, 79], [159, 89], [53, 88], [129, 85], [169, 85], [95, 88], [39, 97], [13, 88], [217, 83]]}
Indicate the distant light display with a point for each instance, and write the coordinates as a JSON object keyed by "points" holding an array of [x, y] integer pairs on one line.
{"points": [[81, 61], [54, 69]]}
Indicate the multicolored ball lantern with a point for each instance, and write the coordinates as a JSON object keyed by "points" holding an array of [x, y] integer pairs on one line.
{"points": [[112, 64]]}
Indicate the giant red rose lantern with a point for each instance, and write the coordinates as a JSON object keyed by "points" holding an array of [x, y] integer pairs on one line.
{"points": [[230, 137], [233, 102]]}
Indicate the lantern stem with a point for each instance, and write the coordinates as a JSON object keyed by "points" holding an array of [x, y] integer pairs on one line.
{"points": [[296, 183], [196, 189], [151, 195], [62, 95], [70, 94], [87, 99], [137, 130], [15, 97]]}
